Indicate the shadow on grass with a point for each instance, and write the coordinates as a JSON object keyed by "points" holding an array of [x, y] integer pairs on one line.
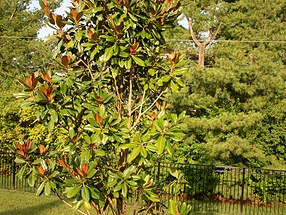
{"points": [[34, 210]]}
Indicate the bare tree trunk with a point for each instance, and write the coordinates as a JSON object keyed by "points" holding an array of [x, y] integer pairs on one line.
{"points": [[201, 47]]}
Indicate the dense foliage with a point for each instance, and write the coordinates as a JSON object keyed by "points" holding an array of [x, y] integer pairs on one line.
{"points": [[107, 105], [21, 52], [236, 102]]}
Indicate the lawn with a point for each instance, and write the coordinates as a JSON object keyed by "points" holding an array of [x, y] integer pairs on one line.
{"points": [[24, 203]]}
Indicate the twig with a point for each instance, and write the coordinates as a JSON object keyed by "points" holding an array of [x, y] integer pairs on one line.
{"points": [[212, 37], [117, 90], [142, 102], [98, 212], [129, 107], [14, 11], [81, 212], [192, 32], [141, 114], [90, 72]]}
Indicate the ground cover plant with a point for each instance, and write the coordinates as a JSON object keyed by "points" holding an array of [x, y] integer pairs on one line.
{"points": [[106, 104]]}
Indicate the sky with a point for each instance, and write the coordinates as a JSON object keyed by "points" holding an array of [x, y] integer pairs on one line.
{"points": [[46, 31]]}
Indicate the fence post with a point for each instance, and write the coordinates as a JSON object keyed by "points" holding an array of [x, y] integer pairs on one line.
{"points": [[242, 191], [159, 169], [13, 174]]}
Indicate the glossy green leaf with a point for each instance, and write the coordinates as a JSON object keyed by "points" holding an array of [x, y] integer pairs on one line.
{"points": [[174, 172], [44, 164], [160, 143], [132, 17], [47, 189], [32, 179], [87, 139], [128, 63], [54, 174], [102, 111], [95, 193], [40, 188], [151, 148], [94, 52], [169, 148], [152, 196], [85, 193], [118, 186], [90, 173], [111, 182], [72, 191], [19, 160], [51, 125], [138, 61], [87, 205], [107, 54], [172, 207], [124, 189], [78, 35], [90, 128], [70, 182], [128, 171], [116, 48], [129, 146], [22, 95], [144, 152], [174, 87], [99, 152], [163, 80], [135, 152], [22, 171], [77, 204]]}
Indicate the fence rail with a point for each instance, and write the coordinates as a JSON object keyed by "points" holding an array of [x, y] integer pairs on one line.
{"points": [[209, 189]]}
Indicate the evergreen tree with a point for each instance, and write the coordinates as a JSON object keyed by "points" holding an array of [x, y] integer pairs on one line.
{"points": [[236, 104], [21, 52]]}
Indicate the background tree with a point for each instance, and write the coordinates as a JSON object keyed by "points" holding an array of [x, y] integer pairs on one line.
{"points": [[204, 22], [107, 102], [236, 103], [21, 52]]}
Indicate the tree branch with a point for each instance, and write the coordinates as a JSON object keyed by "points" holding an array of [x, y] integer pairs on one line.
{"points": [[192, 31], [141, 114], [89, 70], [119, 106], [14, 11], [129, 105], [212, 37], [81, 212], [142, 102]]}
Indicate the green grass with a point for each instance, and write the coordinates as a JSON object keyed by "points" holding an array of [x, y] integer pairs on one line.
{"points": [[23, 203], [14, 202]]}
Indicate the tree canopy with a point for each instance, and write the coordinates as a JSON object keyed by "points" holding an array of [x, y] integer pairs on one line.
{"points": [[21, 52], [106, 103], [236, 101]]}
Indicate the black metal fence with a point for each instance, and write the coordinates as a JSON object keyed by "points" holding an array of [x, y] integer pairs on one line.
{"points": [[209, 189], [225, 189], [8, 171]]}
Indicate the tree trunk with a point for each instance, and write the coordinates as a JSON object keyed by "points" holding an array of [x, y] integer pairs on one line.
{"points": [[201, 47], [119, 206]]}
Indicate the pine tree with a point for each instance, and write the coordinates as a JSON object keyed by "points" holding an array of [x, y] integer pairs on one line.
{"points": [[236, 103], [21, 52]]}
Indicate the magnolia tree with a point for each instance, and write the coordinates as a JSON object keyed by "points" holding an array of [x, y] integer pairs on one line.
{"points": [[106, 105]]}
